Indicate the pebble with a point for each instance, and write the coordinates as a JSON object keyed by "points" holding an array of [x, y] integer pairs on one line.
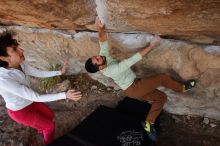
{"points": [[206, 121], [213, 125], [177, 119], [94, 87], [188, 117]]}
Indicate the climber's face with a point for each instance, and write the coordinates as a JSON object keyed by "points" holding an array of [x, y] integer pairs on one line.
{"points": [[99, 60]]}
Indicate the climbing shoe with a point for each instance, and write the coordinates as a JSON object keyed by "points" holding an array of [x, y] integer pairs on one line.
{"points": [[151, 132], [189, 85]]}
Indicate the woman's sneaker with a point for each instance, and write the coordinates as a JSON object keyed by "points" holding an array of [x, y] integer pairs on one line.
{"points": [[151, 132]]}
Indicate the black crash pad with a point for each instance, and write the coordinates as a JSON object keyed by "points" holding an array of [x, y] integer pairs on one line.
{"points": [[111, 127], [138, 109]]}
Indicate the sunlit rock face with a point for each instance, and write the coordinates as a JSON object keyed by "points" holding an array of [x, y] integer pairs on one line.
{"points": [[192, 20], [54, 14], [197, 21], [181, 60]]}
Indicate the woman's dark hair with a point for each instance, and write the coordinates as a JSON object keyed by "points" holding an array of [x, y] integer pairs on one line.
{"points": [[6, 40]]}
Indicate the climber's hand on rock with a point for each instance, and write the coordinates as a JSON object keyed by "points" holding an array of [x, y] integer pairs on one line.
{"points": [[98, 23], [155, 41]]}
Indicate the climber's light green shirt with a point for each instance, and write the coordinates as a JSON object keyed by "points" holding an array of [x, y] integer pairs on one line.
{"points": [[120, 72]]}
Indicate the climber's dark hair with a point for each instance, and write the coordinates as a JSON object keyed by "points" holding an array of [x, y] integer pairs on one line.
{"points": [[90, 67]]}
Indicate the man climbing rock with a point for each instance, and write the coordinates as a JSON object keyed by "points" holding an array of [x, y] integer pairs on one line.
{"points": [[125, 78]]}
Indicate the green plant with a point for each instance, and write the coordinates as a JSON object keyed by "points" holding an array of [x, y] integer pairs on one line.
{"points": [[47, 83]]}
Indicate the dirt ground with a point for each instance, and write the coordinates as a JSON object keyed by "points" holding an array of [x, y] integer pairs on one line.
{"points": [[187, 131], [175, 130]]}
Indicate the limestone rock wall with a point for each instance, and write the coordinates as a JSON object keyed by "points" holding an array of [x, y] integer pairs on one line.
{"points": [[60, 14], [197, 20], [181, 60], [193, 20]]}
